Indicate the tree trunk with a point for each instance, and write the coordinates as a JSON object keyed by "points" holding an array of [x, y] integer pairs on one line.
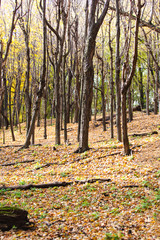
{"points": [[57, 106], [88, 69], [111, 83], [10, 114], [148, 82], [42, 82], [130, 109], [96, 95], [45, 112], [127, 79], [77, 93], [156, 92], [103, 99], [124, 125], [141, 88], [117, 76], [64, 100], [69, 95]]}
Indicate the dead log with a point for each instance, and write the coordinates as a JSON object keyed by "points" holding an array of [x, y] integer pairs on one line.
{"points": [[143, 134], [13, 216], [131, 186], [11, 164], [108, 155], [53, 184], [45, 165], [19, 145]]}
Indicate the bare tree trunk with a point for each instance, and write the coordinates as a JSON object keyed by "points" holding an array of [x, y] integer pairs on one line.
{"points": [[70, 76], [5, 115], [45, 112], [127, 79], [111, 82], [89, 73], [124, 124], [141, 88], [103, 92], [96, 96], [148, 82], [156, 92], [64, 99], [117, 76], [130, 109], [77, 87], [42, 82], [103, 99], [10, 113]]}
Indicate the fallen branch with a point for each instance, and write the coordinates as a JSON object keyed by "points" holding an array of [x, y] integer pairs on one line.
{"points": [[45, 165], [130, 186], [20, 145], [54, 184], [15, 163], [8, 146], [143, 134], [108, 155], [137, 146]]}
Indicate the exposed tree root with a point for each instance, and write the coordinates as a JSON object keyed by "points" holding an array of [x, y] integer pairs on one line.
{"points": [[54, 184]]}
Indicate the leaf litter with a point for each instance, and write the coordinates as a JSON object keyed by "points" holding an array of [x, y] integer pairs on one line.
{"points": [[127, 207]]}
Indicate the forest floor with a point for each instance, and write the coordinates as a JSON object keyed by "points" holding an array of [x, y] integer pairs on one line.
{"points": [[125, 206]]}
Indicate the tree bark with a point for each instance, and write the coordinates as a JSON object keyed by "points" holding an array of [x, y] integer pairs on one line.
{"points": [[117, 76], [111, 82], [42, 83], [89, 73], [127, 79]]}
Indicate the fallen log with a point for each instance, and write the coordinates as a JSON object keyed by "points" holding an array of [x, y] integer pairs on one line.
{"points": [[143, 134], [15, 163], [19, 145], [130, 186], [45, 165], [13, 216], [54, 184], [108, 155]]}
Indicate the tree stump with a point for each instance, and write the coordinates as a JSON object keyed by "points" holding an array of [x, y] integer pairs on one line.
{"points": [[13, 216]]}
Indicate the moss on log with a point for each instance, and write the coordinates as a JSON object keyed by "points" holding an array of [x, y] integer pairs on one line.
{"points": [[13, 216]]}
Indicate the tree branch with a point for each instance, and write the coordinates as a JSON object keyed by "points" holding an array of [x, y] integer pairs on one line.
{"points": [[142, 23]]}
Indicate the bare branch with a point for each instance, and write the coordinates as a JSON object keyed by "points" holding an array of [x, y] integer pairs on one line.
{"points": [[142, 23]]}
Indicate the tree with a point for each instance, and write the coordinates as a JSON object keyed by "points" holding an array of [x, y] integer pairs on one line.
{"points": [[117, 77], [42, 81], [60, 39], [4, 53], [87, 92], [24, 24], [127, 79]]}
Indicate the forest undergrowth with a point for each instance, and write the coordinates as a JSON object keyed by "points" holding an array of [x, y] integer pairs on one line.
{"points": [[111, 196]]}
